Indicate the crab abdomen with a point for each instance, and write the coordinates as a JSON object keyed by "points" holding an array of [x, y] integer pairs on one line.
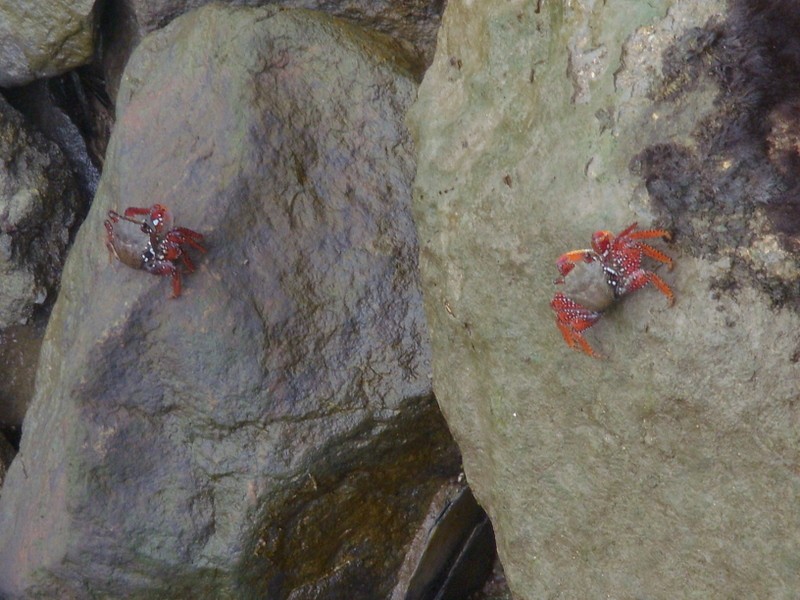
{"points": [[129, 243], [587, 285]]}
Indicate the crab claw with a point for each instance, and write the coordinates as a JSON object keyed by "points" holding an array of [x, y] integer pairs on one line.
{"points": [[572, 319], [566, 262]]}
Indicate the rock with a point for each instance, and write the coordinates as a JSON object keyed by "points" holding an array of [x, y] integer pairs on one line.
{"points": [[412, 24], [270, 433], [606, 478], [19, 356], [66, 112], [38, 203], [6, 456], [42, 39], [453, 551]]}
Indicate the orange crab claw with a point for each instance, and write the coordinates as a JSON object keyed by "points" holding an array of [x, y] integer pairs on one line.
{"points": [[572, 319]]}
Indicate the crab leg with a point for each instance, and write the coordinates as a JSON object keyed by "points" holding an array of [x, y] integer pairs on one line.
{"points": [[168, 269], [135, 211], [646, 234], [566, 262], [182, 235], [187, 262], [656, 255], [572, 319], [112, 253], [639, 279]]}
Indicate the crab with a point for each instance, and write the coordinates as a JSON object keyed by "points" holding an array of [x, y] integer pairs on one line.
{"points": [[594, 278], [143, 238]]}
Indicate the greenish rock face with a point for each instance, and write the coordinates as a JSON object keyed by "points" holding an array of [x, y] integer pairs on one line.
{"points": [[669, 468], [42, 39]]}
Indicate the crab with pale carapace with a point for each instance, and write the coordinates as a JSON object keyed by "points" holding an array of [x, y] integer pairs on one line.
{"points": [[596, 277], [143, 238]]}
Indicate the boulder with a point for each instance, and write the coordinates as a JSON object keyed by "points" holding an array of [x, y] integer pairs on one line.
{"points": [[271, 432], [670, 467], [39, 200], [42, 39], [411, 24]]}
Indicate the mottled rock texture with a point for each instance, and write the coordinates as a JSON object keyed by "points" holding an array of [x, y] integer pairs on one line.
{"points": [[410, 24], [669, 469], [271, 433], [44, 38], [38, 202]]}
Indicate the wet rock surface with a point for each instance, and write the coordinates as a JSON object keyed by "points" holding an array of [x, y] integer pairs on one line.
{"points": [[41, 39], [272, 432], [606, 478]]}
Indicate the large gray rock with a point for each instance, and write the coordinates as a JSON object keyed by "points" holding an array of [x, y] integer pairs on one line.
{"points": [[668, 469], [271, 433], [44, 38]]}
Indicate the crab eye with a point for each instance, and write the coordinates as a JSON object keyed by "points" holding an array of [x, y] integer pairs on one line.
{"points": [[601, 241]]}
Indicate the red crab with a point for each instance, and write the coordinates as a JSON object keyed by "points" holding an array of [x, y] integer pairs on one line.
{"points": [[594, 278], [143, 238]]}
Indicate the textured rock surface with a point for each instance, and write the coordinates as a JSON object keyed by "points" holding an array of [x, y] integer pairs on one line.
{"points": [[412, 24], [63, 109], [38, 201], [44, 38], [6, 454], [271, 433], [19, 355], [452, 553], [671, 467]]}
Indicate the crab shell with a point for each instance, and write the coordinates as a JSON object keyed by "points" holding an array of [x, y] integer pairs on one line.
{"points": [[587, 284], [130, 243]]}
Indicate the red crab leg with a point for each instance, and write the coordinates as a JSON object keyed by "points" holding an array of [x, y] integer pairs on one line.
{"points": [[571, 319], [627, 231], [168, 269], [566, 262], [176, 284], [656, 255], [648, 234], [187, 262], [110, 234], [571, 337], [639, 279], [133, 211], [181, 235]]}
